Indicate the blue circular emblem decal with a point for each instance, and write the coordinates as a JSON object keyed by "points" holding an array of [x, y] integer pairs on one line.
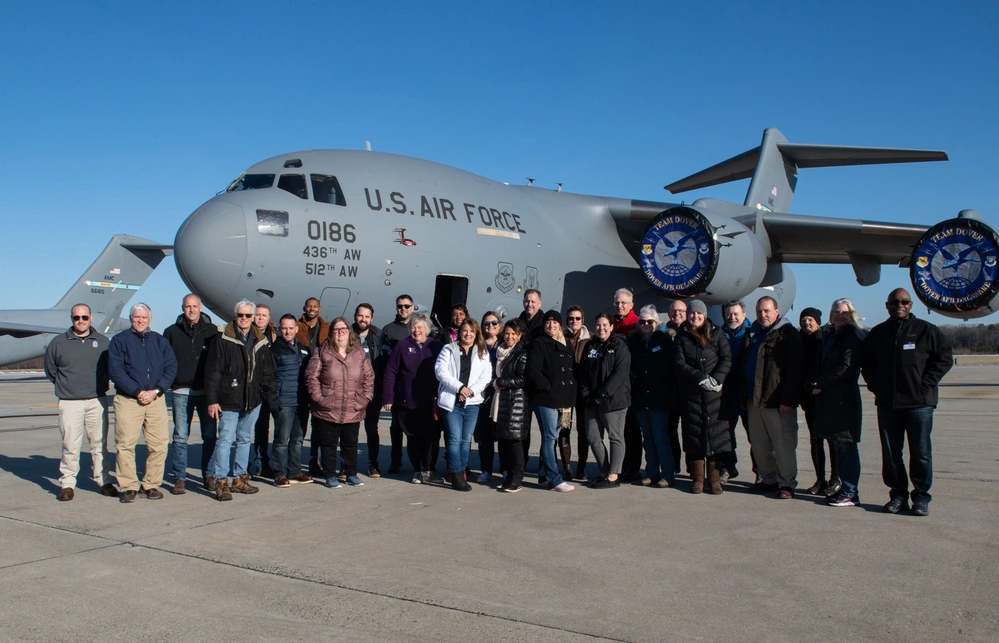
{"points": [[678, 254], [953, 266]]}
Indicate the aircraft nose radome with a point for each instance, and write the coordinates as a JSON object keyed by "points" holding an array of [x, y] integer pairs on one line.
{"points": [[210, 250]]}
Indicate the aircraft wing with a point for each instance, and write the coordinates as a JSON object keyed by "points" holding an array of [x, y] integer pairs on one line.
{"points": [[11, 323], [796, 238]]}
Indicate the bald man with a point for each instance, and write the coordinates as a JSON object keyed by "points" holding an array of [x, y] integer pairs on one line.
{"points": [[903, 361]]}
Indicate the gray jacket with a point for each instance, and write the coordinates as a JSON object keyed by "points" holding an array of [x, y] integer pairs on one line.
{"points": [[78, 365]]}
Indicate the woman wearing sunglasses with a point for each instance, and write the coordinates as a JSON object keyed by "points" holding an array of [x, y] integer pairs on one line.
{"points": [[485, 427], [650, 350]]}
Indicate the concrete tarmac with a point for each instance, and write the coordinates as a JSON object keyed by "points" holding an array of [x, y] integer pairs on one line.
{"points": [[394, 561]]}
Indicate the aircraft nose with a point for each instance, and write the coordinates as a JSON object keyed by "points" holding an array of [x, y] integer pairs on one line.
{"points": [[210, 250]]}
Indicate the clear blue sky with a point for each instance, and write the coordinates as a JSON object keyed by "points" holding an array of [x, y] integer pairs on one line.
{"points": [[126, 116]]}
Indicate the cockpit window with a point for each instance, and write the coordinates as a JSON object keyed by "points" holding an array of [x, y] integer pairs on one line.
{"points": [[273, 223], [294, 183], [251, 182], [326, 189]]}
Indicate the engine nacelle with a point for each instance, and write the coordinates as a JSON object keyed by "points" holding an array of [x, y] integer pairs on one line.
{"points": [[953, 267], [695, 252]]}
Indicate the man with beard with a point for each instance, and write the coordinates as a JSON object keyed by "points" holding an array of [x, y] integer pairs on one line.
{"points": [[394, 332], [368, 334]]}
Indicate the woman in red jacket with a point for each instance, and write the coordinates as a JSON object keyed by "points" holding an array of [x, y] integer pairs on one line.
{"points": [[341, 382]]}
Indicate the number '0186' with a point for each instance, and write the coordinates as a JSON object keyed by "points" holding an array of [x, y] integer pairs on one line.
{"points": [[319, 230]]}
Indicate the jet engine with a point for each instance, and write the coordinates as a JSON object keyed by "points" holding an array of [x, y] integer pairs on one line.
{"points": [[953, 267], [696, 252]]}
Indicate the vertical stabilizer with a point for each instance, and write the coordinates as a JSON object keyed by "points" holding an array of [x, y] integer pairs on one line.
{"points": [[774, 178]]}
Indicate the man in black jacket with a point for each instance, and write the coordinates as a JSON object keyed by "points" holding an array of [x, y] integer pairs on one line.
{"points": [[394, 332], [190, 339], [238, 376], [903, 361], [368, 334]]}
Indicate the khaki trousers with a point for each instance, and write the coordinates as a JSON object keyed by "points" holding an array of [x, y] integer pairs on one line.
{"points": [[131, 419], [773, 437], [76, 419]]}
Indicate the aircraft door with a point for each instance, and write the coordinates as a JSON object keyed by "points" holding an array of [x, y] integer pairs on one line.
{"points": [[448, 291], [334, 302]]}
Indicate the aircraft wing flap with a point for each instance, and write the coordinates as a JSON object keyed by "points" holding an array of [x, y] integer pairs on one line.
{"points": [[796, 238]]}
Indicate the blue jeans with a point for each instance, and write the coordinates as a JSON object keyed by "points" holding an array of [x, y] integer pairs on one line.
{"points": [[848, 459], [895, 427], [234, 426], [548, 422], [658, 452], [459, 425], [184, 407], [286, 459]]}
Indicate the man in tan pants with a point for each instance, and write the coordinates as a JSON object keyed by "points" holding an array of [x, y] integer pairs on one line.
{"points": [[142, 366], [77, 363]]}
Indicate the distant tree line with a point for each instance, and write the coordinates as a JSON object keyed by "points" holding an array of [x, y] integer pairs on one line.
{"points": [[973, 339]]}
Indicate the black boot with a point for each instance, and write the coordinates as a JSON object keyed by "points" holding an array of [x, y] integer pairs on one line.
{"points": [[458, 482], [565, 451]]}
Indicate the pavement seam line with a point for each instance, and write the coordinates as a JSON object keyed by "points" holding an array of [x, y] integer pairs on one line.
{"points": [[114, 543], [66, 555]]}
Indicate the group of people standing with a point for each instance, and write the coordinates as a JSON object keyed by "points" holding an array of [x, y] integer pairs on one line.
{"points": [[626, 388]]}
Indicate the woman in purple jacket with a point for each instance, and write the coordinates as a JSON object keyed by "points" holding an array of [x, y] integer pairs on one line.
{"points": [[411, 386]]}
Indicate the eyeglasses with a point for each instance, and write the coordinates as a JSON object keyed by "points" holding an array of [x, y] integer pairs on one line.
{"points": [[899, 302], [401, 306], [647, 322], [81, 317], [674, 313], [574, 318], [244, 315], [341, 329], [491, 323]]}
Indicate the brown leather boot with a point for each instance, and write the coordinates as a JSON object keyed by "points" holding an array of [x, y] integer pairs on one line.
{"points": [[242, 484], [222, 489], [696, 468], [565, 452], [209, 483], [714, 478]]}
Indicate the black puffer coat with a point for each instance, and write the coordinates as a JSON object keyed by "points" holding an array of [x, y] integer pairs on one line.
{"points": [[705, 429], [605, 374], [511, 421], [838, 409]]}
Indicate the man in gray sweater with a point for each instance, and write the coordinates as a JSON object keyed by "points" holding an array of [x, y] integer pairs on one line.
{"points": [[77, 362]]}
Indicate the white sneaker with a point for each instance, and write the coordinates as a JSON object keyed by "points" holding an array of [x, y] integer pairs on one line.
{"points": [[417, 478], [563, 487], [483, 478]]}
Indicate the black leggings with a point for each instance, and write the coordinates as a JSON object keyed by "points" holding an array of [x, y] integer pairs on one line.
{"points": [[327, 435]]}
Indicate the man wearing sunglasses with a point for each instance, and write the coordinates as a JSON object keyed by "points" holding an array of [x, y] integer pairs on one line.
{"points": [[394, 332], [142, 366], [77, 363], [239, 376], [904, 359]]}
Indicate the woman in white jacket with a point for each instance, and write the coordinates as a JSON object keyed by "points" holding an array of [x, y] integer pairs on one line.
{"points": [[463, 370]]}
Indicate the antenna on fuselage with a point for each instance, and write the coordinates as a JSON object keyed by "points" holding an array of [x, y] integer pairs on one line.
{"points": [[530, 182], [559, 188], [367, 145]]}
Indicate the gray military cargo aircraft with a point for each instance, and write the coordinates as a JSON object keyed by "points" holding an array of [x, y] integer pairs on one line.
{"points": [[107, 285], [354, 226]]}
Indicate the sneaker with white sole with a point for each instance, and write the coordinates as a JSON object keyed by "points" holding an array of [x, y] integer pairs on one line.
{"points": [[563, 487], [354, 481], [843, 501], [417, 478]]}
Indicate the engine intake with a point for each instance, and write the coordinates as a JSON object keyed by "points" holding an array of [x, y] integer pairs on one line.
{"points": [[688, 252]]}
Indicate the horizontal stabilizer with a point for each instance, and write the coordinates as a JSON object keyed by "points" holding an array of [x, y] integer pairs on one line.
{"points": [[797, 156]]}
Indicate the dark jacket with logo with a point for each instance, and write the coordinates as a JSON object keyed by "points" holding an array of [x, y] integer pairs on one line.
{"points": [[779, 377], [190, 345], [290, 360], [835, 369], [140, 362], [409, 379], [240, 375], [550, 382], [78, 366], [605, 376], [650, 364], [370, 345], [903, 362], [705, 424], [513, 411]]}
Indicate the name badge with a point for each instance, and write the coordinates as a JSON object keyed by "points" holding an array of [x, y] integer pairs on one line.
{"points": [[235, 383], [655, 348], [593, 353], [908, 347]]}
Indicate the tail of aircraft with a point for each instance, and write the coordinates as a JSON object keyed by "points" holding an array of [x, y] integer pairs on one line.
{"points": [[774, 167], [106, 286]]}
